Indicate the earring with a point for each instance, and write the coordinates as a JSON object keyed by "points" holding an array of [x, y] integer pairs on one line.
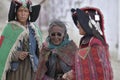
{"points": [[15, 18], [29, 18]]}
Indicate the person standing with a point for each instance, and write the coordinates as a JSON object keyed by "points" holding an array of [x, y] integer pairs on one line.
{"points": [[21, 42], [92, 61]]}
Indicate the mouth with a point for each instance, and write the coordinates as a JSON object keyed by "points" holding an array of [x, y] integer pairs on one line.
{"points": [[22, 17], [56, 41]]}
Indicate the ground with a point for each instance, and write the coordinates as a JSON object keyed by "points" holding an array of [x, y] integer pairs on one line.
{"points": [[116, 66]]}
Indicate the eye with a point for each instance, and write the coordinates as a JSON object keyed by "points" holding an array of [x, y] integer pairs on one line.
{"points": [[52, 34], [59, 34], [56, 34]]}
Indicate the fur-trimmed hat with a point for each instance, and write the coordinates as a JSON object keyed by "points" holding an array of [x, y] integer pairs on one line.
{"points": [[15, 4]]}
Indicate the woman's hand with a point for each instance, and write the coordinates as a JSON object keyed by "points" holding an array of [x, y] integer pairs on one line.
{"points": [[44, 47], [23, 55], [68, 76]]}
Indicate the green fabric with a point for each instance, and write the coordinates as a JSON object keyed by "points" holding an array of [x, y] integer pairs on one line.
{"points": [[39, 32], [24, 3], [10, 33]]}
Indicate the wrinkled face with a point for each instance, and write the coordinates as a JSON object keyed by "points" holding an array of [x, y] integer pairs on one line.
{"points": [[22, 14], [81, 31], [56, 35]]}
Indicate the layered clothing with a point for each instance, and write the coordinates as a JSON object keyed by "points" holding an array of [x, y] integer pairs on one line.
{"points": [[17, 38], [55, 60], [92, 60]]}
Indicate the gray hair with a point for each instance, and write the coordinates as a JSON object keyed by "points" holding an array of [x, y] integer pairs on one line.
{"points": [[57, 23]]}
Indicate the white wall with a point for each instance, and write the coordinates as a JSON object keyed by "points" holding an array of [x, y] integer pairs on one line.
{"points": [[119, 31], [110, 12], [3, 13]]}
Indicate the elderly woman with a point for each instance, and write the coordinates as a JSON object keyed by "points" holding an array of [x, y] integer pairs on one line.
{"points": [[57, 54], [20, 43]]}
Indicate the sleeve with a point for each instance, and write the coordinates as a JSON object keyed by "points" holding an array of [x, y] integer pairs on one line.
{"points": [[15, 55]]}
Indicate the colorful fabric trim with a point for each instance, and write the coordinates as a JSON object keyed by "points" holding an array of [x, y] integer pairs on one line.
{"points": [[96, 65], [13, 32], [84, 52]]}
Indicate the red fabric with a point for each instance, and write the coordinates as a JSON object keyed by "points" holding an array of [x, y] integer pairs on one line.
{"points": [[97, 62], [83, 52], [96, 65], [1, 40], [95, 41]]}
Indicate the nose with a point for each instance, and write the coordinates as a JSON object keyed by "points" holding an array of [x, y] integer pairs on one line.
{"points": [[56, 36], [23, 13]]}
